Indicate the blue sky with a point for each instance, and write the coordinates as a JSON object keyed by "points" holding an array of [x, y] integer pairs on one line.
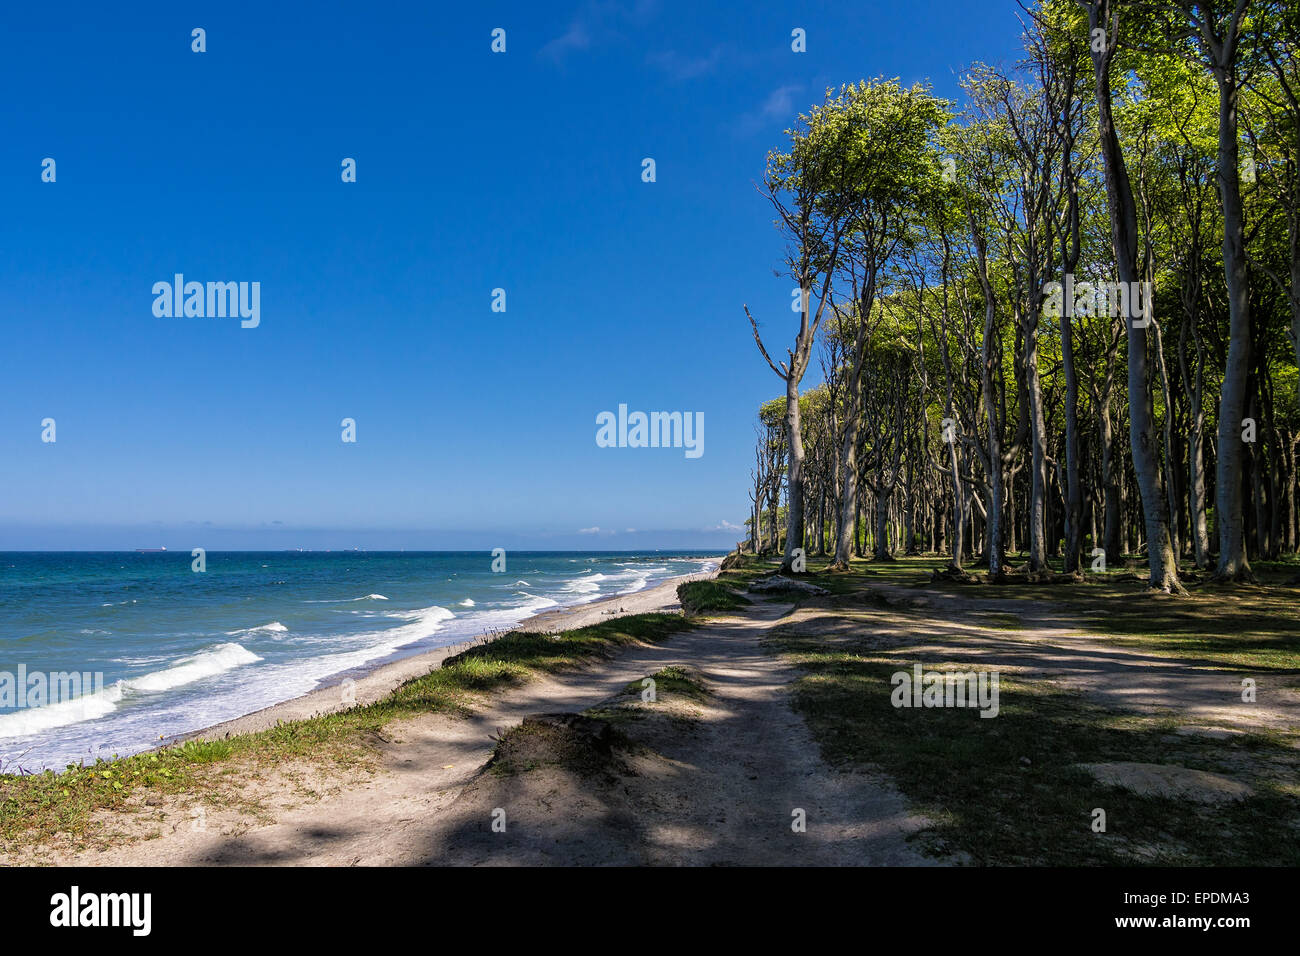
{"points": [[475, 171]]}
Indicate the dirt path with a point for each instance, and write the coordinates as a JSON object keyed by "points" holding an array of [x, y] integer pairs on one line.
{"points": [[720, 788], [1048, 644], [754, 762]]}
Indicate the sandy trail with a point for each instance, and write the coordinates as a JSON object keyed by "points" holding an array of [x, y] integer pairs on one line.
{"points": [[724, 790], [1049, 645]]}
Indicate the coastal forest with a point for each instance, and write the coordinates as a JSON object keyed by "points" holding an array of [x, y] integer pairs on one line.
{"points": [[1054, 326]]}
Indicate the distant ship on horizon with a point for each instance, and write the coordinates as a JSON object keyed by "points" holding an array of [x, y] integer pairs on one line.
{"points": [[149, 550]]}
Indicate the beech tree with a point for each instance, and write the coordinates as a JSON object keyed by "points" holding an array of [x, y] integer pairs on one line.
{"points": [[798, 184], [1061, 331], [886, 135]]}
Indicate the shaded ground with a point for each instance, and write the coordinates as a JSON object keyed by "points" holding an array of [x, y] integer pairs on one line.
{"points": [[1041, 639], [1111, 746]]}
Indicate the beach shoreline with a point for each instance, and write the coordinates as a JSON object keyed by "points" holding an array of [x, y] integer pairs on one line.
{"points": [[375, 680]]}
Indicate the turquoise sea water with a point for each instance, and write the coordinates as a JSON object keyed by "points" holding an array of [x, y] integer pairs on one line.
{"points": [[180, 650]]}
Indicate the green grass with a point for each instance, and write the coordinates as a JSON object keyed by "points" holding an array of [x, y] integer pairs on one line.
{"points": [[999, 622], [861, 573], [706, 597], [36, 806], [967, 774], [534, 745], [672, 681], [673, 685], [1236, 627]]}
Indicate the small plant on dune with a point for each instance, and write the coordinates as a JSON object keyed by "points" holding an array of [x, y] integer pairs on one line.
{"points": [[703, 597]]}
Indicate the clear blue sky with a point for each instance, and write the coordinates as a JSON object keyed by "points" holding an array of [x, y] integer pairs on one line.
{"points": [[475, 171]]}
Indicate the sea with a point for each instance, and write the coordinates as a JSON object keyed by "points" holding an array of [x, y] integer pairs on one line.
{"points": [[160, 649]]}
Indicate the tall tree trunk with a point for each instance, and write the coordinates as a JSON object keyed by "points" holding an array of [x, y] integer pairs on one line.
{"points": [[958, 504], [1111, 478], [1123, 222], [1073, 487], [881, 550], [1196, 492], [844, 542], [1233, 563], [1038, 452], [1168, 435], [794, 505], [991, 363]]}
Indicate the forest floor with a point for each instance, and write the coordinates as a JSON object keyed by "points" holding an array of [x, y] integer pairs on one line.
{"points": [[770, 738], [1176, 716]]}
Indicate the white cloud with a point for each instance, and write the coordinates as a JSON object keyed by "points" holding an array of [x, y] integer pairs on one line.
{"points": [[576, 37], [680, 67], [778, 107], [599, 21]]}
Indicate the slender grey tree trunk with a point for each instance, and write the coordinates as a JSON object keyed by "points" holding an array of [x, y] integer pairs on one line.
{"points": [[1038, 453], [991, 362], [1073, 488], [1196, 492], [1233, 564], [844, 541], [881, 550], [1123, 222], [794, 505], [958, 503]]}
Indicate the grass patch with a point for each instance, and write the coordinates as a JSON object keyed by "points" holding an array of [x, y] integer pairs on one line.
{"points": [[1235, 627], [674, 686], [578, 743], [704, 597], [585, 743], [999, 622], [35, 807], [672, 682], [862, 573], [1005, 791], [967, 774]]}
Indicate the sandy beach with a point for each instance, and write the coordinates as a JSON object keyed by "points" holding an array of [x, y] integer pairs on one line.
{"points": [[365, 686]]}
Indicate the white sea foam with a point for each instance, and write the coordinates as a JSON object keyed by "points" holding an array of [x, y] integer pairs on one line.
{"points": [[424, 615], [587, 584], [468, 602], [275, 627], [283, 680], [206, 663], [34, 720], [367, 597], [637, 584]]}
